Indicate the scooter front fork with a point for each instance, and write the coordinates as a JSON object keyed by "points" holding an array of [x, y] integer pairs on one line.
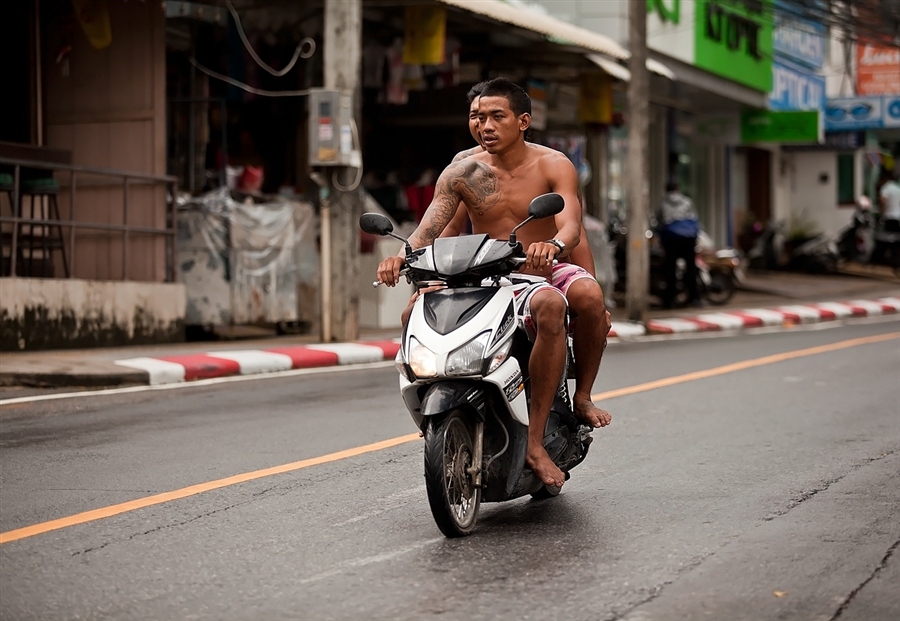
{"points": [[474, 470]]}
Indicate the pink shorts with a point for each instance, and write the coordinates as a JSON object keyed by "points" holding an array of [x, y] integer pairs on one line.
{"points": [[525, 286]]}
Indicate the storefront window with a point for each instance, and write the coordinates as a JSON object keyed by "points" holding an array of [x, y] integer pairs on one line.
{"points": [[846, 186]]}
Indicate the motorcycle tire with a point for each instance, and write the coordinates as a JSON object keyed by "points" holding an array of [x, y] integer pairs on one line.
{"points": [[452, 495], [721, 288]]}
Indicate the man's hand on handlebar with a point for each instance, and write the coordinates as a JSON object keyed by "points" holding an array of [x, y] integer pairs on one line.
{"points": [[540, 255], [389, 270]]}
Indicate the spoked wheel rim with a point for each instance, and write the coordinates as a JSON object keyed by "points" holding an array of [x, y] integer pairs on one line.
{"points": [[450, 476], [460, 492]]}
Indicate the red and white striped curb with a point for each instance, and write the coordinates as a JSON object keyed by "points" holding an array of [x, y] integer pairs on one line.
{"points": [[187, 367], [777, 316]]}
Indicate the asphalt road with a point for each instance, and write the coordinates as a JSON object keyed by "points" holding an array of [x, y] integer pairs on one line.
{"points": [[746, 477]]}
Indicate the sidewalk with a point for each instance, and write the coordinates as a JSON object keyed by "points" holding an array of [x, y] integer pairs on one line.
{"points": [[765, 299]]}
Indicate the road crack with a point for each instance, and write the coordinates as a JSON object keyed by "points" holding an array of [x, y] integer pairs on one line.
{"points": [[824, 485], [849, 599]]}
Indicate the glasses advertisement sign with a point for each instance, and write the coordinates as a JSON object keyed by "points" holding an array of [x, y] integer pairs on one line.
{"points": [[856, 113]]}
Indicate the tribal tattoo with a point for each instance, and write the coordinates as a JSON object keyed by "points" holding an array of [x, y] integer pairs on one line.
{"points": [[467, 181]]}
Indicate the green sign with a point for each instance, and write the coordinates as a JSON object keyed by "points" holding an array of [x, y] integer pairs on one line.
{"points": [[733, 39], [669, 10], [797, 127]]}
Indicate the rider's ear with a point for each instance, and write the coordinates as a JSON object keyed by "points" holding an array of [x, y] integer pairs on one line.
{"points": [[524, 121]]}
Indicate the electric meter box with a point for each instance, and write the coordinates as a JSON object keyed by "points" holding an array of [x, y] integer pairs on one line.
{"points": [[330, 130]]}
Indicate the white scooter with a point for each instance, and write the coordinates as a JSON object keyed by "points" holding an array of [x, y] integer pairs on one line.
{"points": [[464, 375]]}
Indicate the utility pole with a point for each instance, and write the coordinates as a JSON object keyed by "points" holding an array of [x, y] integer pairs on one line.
{"points": [[341, 206], [637, 283]]}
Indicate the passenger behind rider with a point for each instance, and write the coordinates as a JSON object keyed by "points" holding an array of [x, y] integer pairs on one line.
{"points": [[496, 187], [583, 292]]}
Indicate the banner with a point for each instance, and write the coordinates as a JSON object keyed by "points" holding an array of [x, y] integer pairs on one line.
{"points": [[425, 35], [877, 69]]}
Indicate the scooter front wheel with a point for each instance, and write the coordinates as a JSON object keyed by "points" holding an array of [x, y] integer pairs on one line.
{"points": [[449, 474]]}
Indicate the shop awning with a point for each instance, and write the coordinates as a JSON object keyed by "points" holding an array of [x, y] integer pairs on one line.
{"points": [[616, 70], [554, 29]]}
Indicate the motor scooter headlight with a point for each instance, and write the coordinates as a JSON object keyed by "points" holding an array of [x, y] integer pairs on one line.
{"points": [[400, 365], [422, 360], [468, 359]]}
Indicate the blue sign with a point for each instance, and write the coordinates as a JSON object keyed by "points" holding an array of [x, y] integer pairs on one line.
{"points": [[854, 113], [798, 38], [795, 89]]}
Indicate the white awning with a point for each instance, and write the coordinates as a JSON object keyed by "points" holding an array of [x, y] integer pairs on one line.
{"points": [[621, 72], [552, 28]]}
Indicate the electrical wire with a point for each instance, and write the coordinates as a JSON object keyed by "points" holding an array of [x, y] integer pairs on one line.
{"points": [[247, 87], [298, 53], [352, 187]]}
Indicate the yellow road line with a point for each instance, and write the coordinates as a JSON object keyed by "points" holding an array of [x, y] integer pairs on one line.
{"points": [[740, 366], [140, 503]]}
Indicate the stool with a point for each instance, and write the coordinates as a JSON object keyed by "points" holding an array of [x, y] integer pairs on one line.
{"points": [[37, 242]]}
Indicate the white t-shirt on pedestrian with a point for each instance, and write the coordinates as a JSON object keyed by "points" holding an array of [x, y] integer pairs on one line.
{"points": [[890, 195]]}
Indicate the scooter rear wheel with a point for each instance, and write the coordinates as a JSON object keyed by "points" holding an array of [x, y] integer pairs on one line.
{"points": [[449, 480]]}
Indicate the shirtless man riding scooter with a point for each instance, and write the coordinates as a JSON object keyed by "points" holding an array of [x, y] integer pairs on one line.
{"points": [[496, 187]]}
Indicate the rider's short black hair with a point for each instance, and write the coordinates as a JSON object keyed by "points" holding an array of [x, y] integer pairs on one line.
{"points": [[519, 101], [475, 91]]}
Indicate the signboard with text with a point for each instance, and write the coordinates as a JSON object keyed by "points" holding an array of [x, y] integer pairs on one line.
{"points": [[730, 38], [795, 127], [794, 88], [734, 40], [799, 39], [877, 69]]}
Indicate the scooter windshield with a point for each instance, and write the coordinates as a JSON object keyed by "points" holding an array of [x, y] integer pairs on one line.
{"points": [[457, 255]]}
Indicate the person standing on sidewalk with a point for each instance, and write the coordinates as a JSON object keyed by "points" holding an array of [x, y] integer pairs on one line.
{"points": [[679, 227], [890, 201]]}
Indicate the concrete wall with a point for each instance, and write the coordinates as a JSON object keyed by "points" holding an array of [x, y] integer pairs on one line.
{"points": [[64, 314]]}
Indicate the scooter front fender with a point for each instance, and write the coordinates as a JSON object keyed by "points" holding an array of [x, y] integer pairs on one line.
{"points": [[444, 397]]}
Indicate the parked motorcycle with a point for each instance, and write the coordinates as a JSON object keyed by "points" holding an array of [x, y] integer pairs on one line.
{"points": [[718, 270], [774, 251], [464, 375], [726, 271], [864, 241]]}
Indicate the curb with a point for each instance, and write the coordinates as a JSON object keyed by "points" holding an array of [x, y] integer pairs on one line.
{"points": [[189, 367], [777, 316]]}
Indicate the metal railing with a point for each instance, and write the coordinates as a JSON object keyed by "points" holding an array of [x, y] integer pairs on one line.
{"points": [[126, 179]]}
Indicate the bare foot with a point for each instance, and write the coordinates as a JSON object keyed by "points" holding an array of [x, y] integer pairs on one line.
{"points": [[541, 464], [590, 414]]}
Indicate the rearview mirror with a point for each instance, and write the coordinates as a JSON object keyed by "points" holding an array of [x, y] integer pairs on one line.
{"points": [[546, 205], [375, 224]]}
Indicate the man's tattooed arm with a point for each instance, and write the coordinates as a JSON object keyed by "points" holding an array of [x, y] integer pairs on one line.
{"points": [[443, 206]]}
